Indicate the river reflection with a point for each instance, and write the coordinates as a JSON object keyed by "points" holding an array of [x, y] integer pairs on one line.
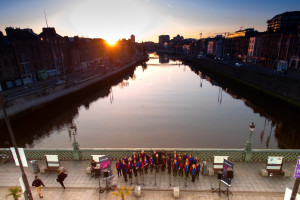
{"points": [[162, 103]]}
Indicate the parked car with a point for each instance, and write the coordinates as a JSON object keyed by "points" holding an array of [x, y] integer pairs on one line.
{"points": [[238, 64]]}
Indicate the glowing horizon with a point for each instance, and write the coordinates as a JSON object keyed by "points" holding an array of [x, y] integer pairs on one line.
{"points": [[146, 19]]}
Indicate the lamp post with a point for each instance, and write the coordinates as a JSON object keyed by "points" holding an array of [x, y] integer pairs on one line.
{"points": [[248, 143], [73, 131], [27, 193]]}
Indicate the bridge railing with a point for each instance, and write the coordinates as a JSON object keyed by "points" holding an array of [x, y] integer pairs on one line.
{"points": [[114, 153]]}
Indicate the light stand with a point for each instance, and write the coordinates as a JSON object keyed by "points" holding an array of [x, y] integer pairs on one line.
{"points": [[108, 188], [27, 192], [227, 192], [137, 179], [143, 180], [185, 184], [170, 180], [217, 190], [155, 186], [101, 190]]}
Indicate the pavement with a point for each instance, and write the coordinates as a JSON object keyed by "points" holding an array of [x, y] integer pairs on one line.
{"points": [[246, 184]]}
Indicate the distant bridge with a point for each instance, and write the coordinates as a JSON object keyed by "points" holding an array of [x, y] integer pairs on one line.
{"points": [[165, 64]]}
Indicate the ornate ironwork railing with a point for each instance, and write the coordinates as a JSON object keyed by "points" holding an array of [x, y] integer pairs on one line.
{"points": [[114, 154], [262, 154]]}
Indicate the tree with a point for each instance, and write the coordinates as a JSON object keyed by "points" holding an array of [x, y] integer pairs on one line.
{"points": [[122, 192], [15, 192]]}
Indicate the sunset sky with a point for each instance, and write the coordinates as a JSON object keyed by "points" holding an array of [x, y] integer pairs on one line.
{"points": [[146, 19]]}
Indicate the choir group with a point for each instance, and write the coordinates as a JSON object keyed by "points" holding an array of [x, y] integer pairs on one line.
{"points": [[142, 163]]}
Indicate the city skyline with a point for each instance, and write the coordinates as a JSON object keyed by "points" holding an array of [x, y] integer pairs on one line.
{"points": [[146, 19]]}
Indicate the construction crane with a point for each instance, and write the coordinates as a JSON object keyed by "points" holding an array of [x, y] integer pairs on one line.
{"points": [[200, 35], [225, 33]]}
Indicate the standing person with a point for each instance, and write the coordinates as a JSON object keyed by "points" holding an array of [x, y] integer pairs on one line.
{"points": [[154, 154], [185, 156], [93, 166], [61, 177], [196, 160], [130, 169], [163, 163], [147, 156], [135, 168], [191, 159], [142, 155], [186, 169], [181, 166], [134, 157], [159, 154], [174, 157], [125, 159], [124, 170], [151, 164], [198, 166], [169, 165], [141, 166], [193, 172], [119, 167], [175, 168], [157, 163], [146, 164], [38, 183]]}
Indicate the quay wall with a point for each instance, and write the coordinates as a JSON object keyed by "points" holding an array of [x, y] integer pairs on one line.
{"points": [[280, 87], [114, 154], [28, 103]]}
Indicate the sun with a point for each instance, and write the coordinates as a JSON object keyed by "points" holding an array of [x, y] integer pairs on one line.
{"points": [[111, 42]]}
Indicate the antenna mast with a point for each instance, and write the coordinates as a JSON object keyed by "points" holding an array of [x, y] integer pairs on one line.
{"points": [[46, 18]]}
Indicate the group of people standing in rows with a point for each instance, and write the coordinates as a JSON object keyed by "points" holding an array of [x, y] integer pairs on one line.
{"points": [[143, 162]]}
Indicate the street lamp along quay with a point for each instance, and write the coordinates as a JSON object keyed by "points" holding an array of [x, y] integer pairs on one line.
{"points": [[73, 131], [248, 143], [27, 192]]}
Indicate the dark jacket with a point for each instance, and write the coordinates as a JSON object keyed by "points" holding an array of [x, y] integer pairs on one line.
{"points": [[156, 161], [93, 164], [61, 177], [37, 183], [125, 168]]}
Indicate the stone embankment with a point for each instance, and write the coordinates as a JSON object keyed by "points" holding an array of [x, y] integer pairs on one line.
{"points": [[29, 102], [282, 87]]}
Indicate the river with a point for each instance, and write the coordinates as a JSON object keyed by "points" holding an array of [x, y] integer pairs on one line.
{"points": [[161, 104]]}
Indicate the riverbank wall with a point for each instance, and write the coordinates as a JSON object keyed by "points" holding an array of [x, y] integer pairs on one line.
{"points": [[279, 87], [203, 154], [62, 92]]}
